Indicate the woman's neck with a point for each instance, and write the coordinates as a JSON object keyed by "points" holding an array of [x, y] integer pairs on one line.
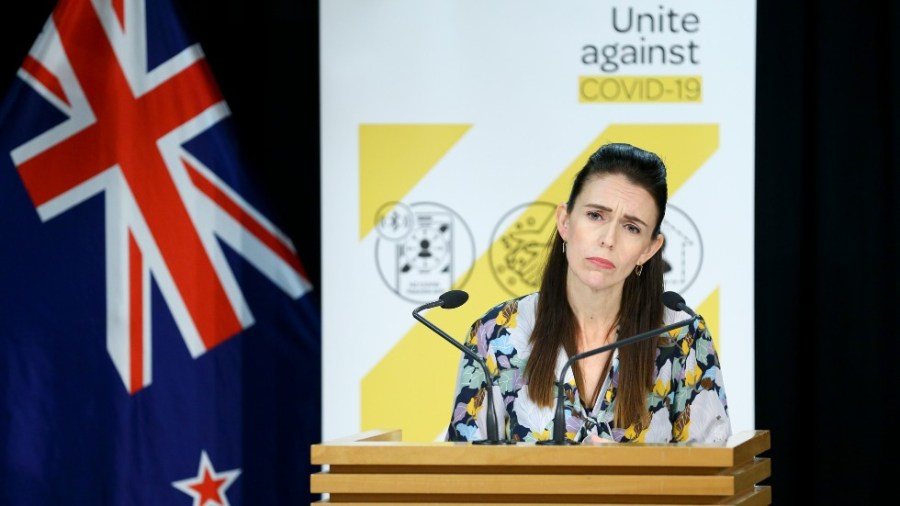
{"points": [[596, 313]]}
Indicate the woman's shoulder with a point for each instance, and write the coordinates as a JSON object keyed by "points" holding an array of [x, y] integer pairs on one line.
{"points": [[524, 304], [512, 316], [695, 330]]}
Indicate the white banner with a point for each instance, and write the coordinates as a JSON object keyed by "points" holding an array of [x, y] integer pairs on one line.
{"points": [[450, 131]]}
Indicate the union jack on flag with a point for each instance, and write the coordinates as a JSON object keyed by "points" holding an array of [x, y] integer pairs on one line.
{"points": [[158, 342]]}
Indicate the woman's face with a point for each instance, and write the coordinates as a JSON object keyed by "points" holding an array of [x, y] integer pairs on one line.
{"points": [[609, 231]]}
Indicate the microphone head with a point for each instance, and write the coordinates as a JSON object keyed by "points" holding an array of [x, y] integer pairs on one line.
{"points": [[453, 299], [673, 301]]}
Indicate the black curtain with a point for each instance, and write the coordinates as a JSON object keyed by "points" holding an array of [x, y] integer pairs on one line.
{"points": [[826, 246], [826, 228]]}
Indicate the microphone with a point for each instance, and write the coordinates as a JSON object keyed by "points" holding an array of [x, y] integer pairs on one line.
{"points": [[451, 300], [675, 302], [448, 300], [672, 301]]}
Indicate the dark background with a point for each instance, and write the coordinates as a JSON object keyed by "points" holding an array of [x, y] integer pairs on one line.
{"points": [[826, 224]]}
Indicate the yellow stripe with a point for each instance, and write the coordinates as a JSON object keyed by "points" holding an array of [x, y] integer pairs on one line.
{"points": [[709, 310], [393, 159]]}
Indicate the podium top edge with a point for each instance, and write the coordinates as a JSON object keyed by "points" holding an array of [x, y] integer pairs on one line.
{"points": [[384, 448], [395, 436]]}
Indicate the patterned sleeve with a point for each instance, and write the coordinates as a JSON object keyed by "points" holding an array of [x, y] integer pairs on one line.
{"points": [[470, 405], [701, 408]]}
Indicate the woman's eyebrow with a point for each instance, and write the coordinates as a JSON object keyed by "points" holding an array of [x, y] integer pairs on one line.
{"points": [[629, 217]]}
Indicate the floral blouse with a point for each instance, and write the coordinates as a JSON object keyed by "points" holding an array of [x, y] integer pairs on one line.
{"points": [[687, 403]]}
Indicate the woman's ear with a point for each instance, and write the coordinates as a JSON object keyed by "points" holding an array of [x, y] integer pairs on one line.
{"points": [[562, 221], [655, 245]]}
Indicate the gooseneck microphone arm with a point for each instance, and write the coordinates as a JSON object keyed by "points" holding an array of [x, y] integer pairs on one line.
{"points": [[450, 300], [672, 300]]}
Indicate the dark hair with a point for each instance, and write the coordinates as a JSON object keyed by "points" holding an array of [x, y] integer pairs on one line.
{"points": [[641, 308]]}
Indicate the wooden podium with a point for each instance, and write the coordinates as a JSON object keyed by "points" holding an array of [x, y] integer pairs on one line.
{"points": [[377, 467]]}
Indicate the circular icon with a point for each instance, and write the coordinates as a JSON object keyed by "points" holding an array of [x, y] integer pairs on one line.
{"points": [[683, 251], [425, 261], [427, 247], [393, 220], [519, 246]]}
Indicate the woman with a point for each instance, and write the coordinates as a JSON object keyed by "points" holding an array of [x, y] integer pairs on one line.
{"points": [[603, 280]]}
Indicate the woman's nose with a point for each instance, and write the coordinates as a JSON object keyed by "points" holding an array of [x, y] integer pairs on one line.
{"points": [[607, 237]]}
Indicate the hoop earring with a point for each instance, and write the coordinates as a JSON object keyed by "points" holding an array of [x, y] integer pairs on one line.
{"points": [[638, 270]]}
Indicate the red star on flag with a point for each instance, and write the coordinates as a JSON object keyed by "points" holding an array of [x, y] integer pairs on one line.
{"points": [[208, 487]]}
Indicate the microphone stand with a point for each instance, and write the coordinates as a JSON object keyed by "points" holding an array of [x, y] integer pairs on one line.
{"points": [[492, 436], [559, 416]]}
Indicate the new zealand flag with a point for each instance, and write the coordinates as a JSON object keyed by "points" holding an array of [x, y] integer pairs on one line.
{"points": [[158, 341]]}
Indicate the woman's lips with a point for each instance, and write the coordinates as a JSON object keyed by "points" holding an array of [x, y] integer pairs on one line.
{"points": [[602, 263]]}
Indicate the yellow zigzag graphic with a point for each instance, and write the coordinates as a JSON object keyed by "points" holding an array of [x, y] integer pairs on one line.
{"points": [[709, 310], [411, 388], [393, 158]]}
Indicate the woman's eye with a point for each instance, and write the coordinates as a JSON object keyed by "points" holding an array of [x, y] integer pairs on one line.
{"points": [[594, 215], [633, 229]]}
